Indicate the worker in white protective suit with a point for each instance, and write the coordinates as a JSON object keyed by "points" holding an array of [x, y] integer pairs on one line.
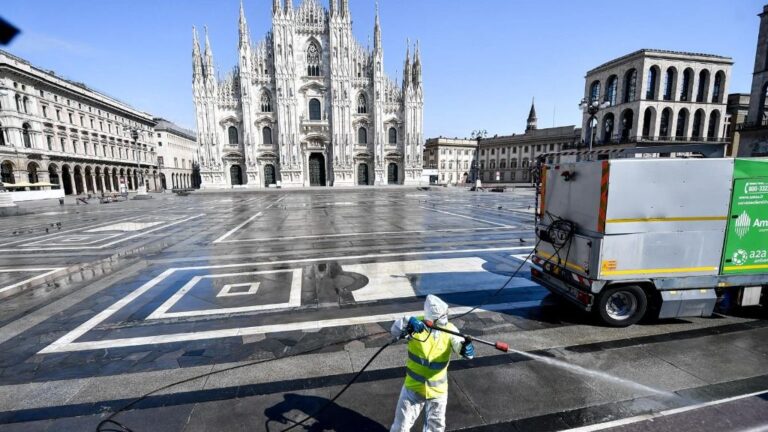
{"points": [[426, 380]]}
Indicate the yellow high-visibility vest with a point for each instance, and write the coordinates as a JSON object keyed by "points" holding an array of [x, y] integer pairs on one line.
{"points": [[427, 365]]}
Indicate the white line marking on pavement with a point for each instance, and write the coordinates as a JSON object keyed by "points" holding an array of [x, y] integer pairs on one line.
{"points": [[247, 331], [106, 244], [294, 297], [467, 217], [247, 221], [63, 344], [358, 234], [399, 279], [48, 272], [62, 232], [644, 417]]}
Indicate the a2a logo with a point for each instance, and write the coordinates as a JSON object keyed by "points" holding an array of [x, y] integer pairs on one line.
{"points": [[740, 257]]}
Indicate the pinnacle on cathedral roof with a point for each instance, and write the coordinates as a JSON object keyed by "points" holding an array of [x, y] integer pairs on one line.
{"points": [[532, 113]]}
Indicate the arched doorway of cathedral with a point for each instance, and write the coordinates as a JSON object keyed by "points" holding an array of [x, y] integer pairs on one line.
{"points": [[392, 173], [236, 175], [362, 174], [66, 180], [316, 169], [163, 183], [269, 175]]}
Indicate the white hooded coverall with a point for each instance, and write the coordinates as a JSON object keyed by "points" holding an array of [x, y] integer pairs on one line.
{"points": [[410, 404]]}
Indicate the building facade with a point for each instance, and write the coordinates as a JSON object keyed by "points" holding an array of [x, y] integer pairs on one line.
{"points": [[453, 158], [58, 131], [509, 158], [177, 155], [308, 105], [752, 134], [658, 97], [737, 111]]}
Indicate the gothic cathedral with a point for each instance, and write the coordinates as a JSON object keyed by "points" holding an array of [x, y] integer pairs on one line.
{"points": [[307, 106]]}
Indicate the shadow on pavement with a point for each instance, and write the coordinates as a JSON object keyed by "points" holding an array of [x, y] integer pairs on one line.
{"points": [[333, 418]]}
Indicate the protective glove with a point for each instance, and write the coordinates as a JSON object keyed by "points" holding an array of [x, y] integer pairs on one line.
{"points": [[415, 325], [467, 349]]}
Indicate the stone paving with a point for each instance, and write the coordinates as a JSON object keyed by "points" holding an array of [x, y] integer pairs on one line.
{"points": [[100, 304]]}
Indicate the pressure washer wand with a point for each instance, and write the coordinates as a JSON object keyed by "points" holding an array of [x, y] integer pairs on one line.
{"points": [[501, 346]]}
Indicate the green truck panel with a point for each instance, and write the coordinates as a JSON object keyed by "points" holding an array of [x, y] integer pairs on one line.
{"points": [[746, 240]]}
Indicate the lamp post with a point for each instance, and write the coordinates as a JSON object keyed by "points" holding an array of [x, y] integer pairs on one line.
{"points": [[592, 108], [135, 134]]}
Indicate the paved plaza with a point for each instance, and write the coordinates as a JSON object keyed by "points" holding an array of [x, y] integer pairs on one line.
{"points": [[288, 293]]}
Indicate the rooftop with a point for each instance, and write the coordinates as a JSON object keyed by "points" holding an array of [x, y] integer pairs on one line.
{"points": [[53, 76], [664, 53], [164, 125]]}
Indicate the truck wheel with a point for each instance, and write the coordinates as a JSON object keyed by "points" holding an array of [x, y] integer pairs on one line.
{"points": [[622, 306]]}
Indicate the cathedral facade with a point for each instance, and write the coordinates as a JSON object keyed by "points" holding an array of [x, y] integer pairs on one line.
{"points": [[307, 105]]}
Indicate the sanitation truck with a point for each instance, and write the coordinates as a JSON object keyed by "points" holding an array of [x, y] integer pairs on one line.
{"points": [[624, 238]]}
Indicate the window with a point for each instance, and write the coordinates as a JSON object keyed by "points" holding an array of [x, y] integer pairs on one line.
{"points": [[159, 143], [233, 136], [45, 111], [313, 59], [266, 102], [514, 149], [503, 150], [685, 89], [717, 88], [442, 164], [653, 76], [18, 103], [2, 136], [266, 135], [538, 147], [682, 118], [58, 115], [551, 147], [25, 103], [669, 84], [71, 121], [482, 152], [101, 126], [362, 136], [63, 145], [493, 151], [392, 135], [714, 123], [49, 142], [610, 89], [362, 107], [175, 162], [666, 116], [74, 146], [630, 86], [594, 92], [314, 109], [91, 123], [25, 135], [701, 93]]}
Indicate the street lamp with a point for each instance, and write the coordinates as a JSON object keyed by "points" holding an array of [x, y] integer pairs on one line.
{"points": [[135, 134], [592, 109]]}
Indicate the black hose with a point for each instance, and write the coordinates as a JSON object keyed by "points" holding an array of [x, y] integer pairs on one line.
{"points": [[108, 424], [332, 400]]}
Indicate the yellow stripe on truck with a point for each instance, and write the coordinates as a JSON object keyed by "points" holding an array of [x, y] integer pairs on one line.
{"points": [[670, 219], [658, 270], [569, 264], [747, 267]]}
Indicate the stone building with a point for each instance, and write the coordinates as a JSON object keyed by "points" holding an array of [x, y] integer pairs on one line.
{"points": [[508, 158], [177, 155], [308, 105], [658, 97], [59, 131], [737, 110], [453, 158], [752, 134]]}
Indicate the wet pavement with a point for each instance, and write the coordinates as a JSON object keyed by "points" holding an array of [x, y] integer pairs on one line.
{"points": [[295, 290]]}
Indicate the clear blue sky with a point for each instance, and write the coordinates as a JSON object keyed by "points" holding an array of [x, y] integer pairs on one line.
{"points": [[483, 60]]}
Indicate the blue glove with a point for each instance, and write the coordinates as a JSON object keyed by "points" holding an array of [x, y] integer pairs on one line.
{"points": [[467, 349], [415, 325]]}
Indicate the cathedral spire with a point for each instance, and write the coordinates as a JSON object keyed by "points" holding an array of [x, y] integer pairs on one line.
{"points": [[210, 71], [197, 59], [344, 8], [245, 37], [407, 78], [531, 123], [377, 31], [288, 6], [417, 66], [276, 7]]}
